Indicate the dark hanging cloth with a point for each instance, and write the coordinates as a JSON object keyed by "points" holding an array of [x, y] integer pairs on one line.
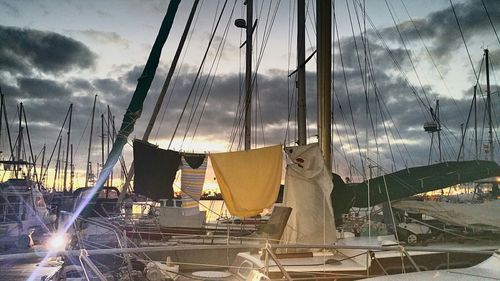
{"points": [[155, 170], [194, 160]]}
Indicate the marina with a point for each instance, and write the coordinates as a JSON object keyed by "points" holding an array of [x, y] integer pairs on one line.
{"points": [[288, 140]]}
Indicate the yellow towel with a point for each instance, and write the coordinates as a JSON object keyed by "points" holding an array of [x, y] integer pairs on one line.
{"points": [[249, 180]]}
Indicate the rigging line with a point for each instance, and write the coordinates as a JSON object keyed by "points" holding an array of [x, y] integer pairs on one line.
{"points": [[258, 107], [356, 45], [289, 54], [491, 22], [367, 55], [266, 40], [423, 106], [349, 97], [426, 48], [463, 39], [223, 43], [465, 130], [218, 56], [44, 174], [385, 128], [290, 106], [378, 98], [237, 124], [178, 70], [342, 148], [234, 127], [397, 131], [408, 54], [311, 45], [346, 125], [198, 73]]}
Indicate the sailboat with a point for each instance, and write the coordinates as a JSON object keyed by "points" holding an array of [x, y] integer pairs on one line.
{"points": [[24, 216], [339, 263]]}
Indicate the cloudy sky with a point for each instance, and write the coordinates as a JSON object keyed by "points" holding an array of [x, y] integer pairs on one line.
{"points": [[390, 65]]}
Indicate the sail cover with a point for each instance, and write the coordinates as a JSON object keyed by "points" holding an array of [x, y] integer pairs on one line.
{"points": [[308, 185], [249, 180], [155, 170], [193, 170], [408, 182], [482, 216]]}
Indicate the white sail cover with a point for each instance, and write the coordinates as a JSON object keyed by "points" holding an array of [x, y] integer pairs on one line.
{"points": [[483, 215], [308, 185]]}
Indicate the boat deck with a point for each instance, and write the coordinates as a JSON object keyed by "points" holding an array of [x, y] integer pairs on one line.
{"points": [[27, 270]]}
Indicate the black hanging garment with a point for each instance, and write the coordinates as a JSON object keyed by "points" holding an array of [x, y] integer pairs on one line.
{"points": [[155, 170]]}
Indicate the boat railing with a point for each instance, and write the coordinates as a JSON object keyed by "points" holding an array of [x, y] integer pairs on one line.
{"points": [[11, 212], [121, 241], [268, 253]]}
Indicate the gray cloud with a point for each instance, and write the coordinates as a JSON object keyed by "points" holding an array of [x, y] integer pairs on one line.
{"points": [[25, 50], [10, 8], [105, 37], [442, 30], [43, 89]]}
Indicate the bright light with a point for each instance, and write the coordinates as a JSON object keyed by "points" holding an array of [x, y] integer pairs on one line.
{"points": [[57, 242]]}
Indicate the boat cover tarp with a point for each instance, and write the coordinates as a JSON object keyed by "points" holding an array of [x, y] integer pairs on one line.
{"points": [[155, 170], [249, 180], [308, 184], [193, 167], [408, 182], [481, 215]]}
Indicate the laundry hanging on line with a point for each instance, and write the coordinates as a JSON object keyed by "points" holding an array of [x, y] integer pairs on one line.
{"points": [[249, 180], [193, 167]]}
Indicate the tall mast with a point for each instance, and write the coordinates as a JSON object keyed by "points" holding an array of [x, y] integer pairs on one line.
{"points": [[156, 110], [324, 78], [90, 143], [4, 109], [1, 111], [108, 139], [102, 140], [67, 147], [71, 171], [475, 123], [438, 119], [57, 164], [19, 140], [41, 165], [248, 75], [113, 139], [488, 104], [301, 73]]}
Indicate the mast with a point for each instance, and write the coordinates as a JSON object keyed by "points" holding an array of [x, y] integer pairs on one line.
{"points": [[19, 141], [248, 75], [488, 104], [90, 143], [113, 131], [1, 112], [161, 97], [67, 146], [72, 171], [4, 109], [57, 164], [324, 78], [41, 165], [475, 122], [102, 140], [301, 73], [439, 130], [108, 139]]}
